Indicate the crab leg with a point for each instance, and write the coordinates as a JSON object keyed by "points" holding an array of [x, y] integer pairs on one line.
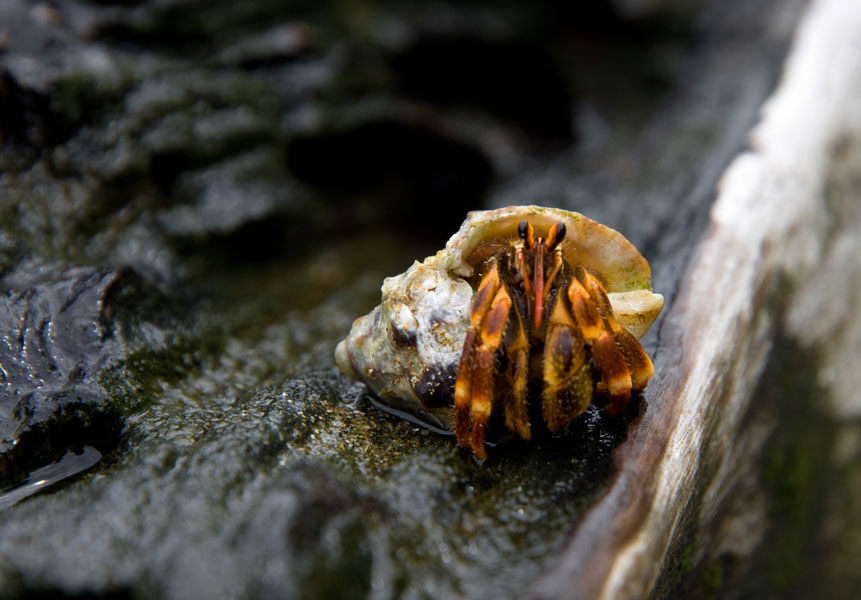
{"points": [[463, 388], [567, 381], [516, 407], [638, 361], [483, 368], [621, 361], [614, 371], [481, 304], [585, 312]]}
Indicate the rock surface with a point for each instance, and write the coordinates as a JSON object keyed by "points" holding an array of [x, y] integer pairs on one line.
{"points": [[197, 199]]}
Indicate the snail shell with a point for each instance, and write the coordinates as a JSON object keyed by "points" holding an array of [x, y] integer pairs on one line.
{"points": [[407, 349]]}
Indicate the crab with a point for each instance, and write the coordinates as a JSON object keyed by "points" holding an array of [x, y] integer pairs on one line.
{"points": [[546, 320], [525, 317]]}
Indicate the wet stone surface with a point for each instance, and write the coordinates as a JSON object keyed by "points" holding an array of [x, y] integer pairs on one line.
{"points": [[197, 199], [62, 330]]}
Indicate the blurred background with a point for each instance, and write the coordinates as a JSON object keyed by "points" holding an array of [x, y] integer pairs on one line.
{"points": [[198, 197]]}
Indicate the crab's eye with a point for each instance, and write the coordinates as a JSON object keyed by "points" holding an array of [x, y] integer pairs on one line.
{"points": [[560, 231], [556, 235], [525, 232]]}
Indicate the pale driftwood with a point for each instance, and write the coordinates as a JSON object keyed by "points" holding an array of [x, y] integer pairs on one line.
{"points": [[773, 232]]}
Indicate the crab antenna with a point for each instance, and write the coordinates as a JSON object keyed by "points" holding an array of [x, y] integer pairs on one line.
{"points": [[554, 237], [520, 256], [538, 284]]}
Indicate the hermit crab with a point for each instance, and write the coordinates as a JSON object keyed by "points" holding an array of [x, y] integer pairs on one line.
{"points": [[526, 315]]}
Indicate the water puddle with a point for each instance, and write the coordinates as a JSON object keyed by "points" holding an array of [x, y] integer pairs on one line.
{"points": [[44, 477]]}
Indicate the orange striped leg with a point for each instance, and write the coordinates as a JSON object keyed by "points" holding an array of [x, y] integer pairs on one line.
{"points": [[585, 312], [463, 388], [516, 406], [638, 362], [614, 371], [568, 383], [481, 305], [610, 359], [483, 369]]}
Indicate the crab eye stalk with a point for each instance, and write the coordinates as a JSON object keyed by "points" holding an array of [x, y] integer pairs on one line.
{"points": [[526, 233], [555, 236]]}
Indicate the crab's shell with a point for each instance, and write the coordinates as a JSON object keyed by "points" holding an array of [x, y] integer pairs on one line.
{"points": [[407, 349]]}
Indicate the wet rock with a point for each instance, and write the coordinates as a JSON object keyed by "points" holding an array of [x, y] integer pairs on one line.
{"points": [[391, 160], [259, 166], [301, 488], [468, 71], [63, 328]]}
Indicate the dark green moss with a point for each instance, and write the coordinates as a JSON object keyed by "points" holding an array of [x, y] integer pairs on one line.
{"points": [[796, 474], [713, 580], [796, 469]]}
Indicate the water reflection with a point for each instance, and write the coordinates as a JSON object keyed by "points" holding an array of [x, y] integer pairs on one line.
{"points": [[44, 477]]}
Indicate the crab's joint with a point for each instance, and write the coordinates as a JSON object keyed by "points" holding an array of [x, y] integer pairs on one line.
{"points": [[638, 361], [484, 296], [494, 324], [598, 296], [557, 264], [613, 367], [520, 259], [585, 312]]}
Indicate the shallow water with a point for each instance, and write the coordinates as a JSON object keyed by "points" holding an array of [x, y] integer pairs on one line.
{"points": [[41, 479]]}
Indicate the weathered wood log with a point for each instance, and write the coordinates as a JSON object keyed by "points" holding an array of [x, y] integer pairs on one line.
{"points": [[778, 268]]}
